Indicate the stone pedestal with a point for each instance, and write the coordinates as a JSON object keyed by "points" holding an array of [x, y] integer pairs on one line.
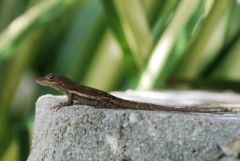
{"points": [[83, 133]]}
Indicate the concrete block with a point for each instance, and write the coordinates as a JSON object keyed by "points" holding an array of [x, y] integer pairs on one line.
{"points": [[84, 133]]}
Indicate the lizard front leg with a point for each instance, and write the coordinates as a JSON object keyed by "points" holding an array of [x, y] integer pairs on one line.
{"points": [[69, 102]]}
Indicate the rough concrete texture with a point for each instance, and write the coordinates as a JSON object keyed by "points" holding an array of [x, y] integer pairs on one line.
{"points": [[83, 133]]}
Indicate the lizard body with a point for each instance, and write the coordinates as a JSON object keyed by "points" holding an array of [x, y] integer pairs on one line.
{"points": [[79, 94]]}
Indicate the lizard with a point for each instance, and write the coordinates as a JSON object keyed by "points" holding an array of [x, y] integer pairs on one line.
{"points": [[80, 94]]}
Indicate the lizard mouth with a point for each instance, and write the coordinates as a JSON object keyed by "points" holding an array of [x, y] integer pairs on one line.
{"points": [[41, 81]]}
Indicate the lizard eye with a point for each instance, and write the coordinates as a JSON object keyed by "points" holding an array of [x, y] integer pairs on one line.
{"points": [[50, 78]]}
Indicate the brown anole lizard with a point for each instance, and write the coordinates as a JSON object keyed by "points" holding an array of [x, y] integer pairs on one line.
{"points": [[79, 94]]}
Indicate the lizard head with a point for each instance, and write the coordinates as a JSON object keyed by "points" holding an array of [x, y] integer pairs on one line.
{"points": [[51, 80], [56, 81]]}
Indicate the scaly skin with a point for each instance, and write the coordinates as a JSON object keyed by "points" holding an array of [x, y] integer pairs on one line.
{"points": [[79, 94]]}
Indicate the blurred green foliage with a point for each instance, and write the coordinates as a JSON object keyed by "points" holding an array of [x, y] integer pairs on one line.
{"points": [[111, 45]]}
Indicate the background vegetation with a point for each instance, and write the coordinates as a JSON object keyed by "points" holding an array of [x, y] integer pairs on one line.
{"points": [[111, 45]]}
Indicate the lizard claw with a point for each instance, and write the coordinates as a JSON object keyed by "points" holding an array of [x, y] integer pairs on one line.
{"points": [[60, 105], [55, 107]]}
